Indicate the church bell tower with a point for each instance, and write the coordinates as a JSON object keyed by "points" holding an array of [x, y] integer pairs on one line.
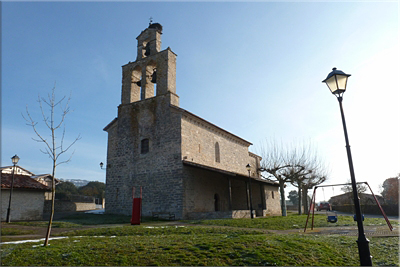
{"points": [[153, 73]]}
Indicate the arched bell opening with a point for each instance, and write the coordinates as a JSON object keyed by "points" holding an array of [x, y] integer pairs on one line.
{"points": [[151, 79], [145, 50], [136, 84]]}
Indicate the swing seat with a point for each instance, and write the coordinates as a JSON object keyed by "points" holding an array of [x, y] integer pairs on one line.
{"points": [[355, 217], [332, 219], [331, 216]]}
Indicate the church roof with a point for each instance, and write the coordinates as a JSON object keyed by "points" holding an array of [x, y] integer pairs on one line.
{"points": [[110, 124], [201, 166]]}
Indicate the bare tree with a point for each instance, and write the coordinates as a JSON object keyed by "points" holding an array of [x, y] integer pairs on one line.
{"points": [[52, 148], [273, 163], [314, 178], [297, 175], [361, 188], [293, 163]]}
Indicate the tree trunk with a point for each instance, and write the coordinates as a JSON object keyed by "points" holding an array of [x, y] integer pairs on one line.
{"points": [[283, 202], [305, 200], [299, 201], [53, 196]]}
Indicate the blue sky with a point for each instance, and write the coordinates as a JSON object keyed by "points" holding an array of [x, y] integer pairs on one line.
{"points": [[252, 68]]}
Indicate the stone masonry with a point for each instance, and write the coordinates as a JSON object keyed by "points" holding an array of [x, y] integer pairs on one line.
{"points": [[183, 163]]}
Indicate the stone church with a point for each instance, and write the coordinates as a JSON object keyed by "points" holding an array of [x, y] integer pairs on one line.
{"points": [[185, 165]]}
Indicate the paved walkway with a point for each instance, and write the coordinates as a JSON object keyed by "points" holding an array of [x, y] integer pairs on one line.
{"points": [[382, 231]]}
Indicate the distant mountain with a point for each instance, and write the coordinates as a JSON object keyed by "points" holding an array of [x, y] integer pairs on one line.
{"points": [[76, 182]]}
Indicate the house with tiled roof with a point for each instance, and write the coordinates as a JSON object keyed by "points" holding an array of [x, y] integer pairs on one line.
{"points": [[27, 198]]}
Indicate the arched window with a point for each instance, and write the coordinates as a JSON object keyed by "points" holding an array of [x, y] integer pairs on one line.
{"points": [[216, 202], [217, 155], [144, 146]]}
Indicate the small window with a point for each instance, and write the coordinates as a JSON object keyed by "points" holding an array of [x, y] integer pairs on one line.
{"points": [[272, 194], [144, 147], [217, 156]]}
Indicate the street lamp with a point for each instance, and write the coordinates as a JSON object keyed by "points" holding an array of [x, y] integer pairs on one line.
{"points": [[101, 165], [248, 167], [14, 160], [337, 82]]}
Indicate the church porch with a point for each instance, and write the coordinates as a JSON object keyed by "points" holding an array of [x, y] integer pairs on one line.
{"points": [[212, 193]]}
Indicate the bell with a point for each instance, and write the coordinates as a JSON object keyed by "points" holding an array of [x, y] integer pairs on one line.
{"points": [[139, 83], [154, 76], [147, 52]]}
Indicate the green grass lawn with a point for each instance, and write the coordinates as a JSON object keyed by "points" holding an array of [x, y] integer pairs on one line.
{"points": [[292, 221], [13, 231], [243, 243], [195, 245], [55, 224]]}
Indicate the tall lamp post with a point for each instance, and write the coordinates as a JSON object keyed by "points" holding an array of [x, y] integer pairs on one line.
{"points": [[337, 82], [248, 167], [14, 160]]}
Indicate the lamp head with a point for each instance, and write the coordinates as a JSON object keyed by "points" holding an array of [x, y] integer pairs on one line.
{"points": [[15, 159], [101, 165], [336, 81]]}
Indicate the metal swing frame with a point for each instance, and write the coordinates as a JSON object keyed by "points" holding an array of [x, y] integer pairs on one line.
{"points": [[312, 205]]}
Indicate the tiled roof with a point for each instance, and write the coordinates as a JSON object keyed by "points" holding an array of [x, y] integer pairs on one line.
{"points": [[193, 164], [21, 182]]}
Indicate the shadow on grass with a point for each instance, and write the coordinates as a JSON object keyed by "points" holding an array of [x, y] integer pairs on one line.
{"points": [[97, 219]]}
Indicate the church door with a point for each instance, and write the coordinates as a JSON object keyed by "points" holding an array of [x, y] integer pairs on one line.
{"points": [[216, 202]]}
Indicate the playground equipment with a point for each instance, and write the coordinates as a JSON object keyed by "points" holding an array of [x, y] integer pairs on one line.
{"points": [[312, 207], [331, 216]]}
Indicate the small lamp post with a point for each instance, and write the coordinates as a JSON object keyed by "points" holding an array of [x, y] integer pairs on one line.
{"points": [[337, 82], [14, 160], [248, 167], [101, 165]]}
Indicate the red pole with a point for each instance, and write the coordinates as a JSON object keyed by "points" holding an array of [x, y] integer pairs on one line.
{"points": [[380, 207], [311, 205], [312, 224]]}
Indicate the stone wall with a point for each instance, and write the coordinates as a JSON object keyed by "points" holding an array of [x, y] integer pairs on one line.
{"points": [[68, 206], [203, 188], [26, 205], [273, 200], [159, 171], [199, 141]]}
